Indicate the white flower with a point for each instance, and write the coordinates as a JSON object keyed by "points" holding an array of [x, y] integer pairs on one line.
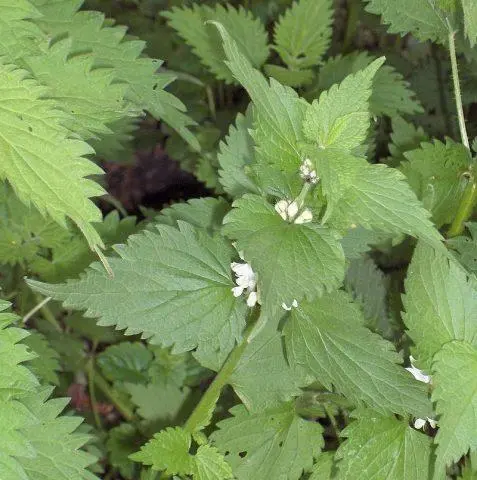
{"points": [[418, 374], [307, 172], [288, 210], [420, 422], [288, 308], [246, 281]]}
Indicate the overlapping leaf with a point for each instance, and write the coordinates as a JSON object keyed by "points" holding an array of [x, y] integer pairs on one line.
{"points": [[328, 340], [173, 285]]}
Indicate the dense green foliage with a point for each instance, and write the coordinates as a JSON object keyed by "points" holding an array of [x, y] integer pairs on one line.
{"points": [[315, 317]]}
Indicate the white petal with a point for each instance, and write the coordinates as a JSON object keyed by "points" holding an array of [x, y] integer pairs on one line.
{"points": [[294, 303], [286, 307], [305, 217], [418, 374], [252, 299], [419, 423], [281, 209], [292, 209], [237, 291], [432, 422]]}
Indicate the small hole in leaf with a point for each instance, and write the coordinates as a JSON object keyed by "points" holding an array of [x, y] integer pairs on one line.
{"points": [[242, 454], [280, 444], [154, 87], [226, 453], [30, 129]]}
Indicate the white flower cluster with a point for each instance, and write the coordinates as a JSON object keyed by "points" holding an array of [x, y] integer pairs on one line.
{"points": [[289, 211], [288, 308], [421, 377], [246, 282], [307, 172]]}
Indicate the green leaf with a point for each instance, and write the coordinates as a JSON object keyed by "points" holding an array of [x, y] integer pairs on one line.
{"points": [[169, 451], [126, 362], [323, 468], [46, 365], [436, 174], [273, 444], [405, 137], [263, 379], [465, 248], [380, 447], [455, 394], [39, 158], [84, 92], [375, 197], [440, 304], [191, 24], [209, 464], [367, 284], [390, 93], [303, 33], [122, 441], [278, 110], [173, 285], [340, 117], [328, 340], [286, 76], [236, 153], [292, 261], [420, 17], [470, 20]]}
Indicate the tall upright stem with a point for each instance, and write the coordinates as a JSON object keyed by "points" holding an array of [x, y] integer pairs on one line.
{"points": [[457, 92]]}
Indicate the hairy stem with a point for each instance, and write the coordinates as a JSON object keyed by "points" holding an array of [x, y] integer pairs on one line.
{"points": [[457, 92], [466, 207], [124, 407], [202, 413]]}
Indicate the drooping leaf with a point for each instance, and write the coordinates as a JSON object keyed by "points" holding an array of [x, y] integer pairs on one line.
{"points": [[303, 33], [173, 285], [328, 340], [380, 447], [440, 304], [292, 261], [273, 444], [248, 32]]}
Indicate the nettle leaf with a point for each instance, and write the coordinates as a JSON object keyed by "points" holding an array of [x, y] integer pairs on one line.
{"points": [[328, 340], [374, 196], [440, 304], [276, 443], [303, 33], [390, 93], [111, 48], [46, 364], [470, 20], [122, 441], [247, 31], [380, 447], [323, 468], [39, 158], [436, 174], [465, 248], [405, 137], [286, 76], [263, 379], [126, 362], [455, 394], [173, 285], [169, 451], [340, 117], [84, 92], [278, 111], [422, 18], [292, 261], [236, 153]]}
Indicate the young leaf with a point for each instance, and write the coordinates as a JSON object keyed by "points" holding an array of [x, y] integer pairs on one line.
{"points": [[236, 152], [292, 261], [340, 118], [274, 444], [172, 285], [191, 24], [39, 158], [465, 248], [303, 33], [278, 110], [436, 174], [422, 18], [383, 447], [470, 20], [405, 137], [209, 464], [373, 196], [122, 441], [263, 379], [328, 340], [455, 380], [440, 304]]}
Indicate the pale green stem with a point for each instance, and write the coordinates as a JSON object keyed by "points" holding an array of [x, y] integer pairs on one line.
{"points": [[35, 309], [465, 210]]}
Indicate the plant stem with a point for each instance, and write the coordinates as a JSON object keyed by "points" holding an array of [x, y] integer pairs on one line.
{"points": [[92, 393], [35, 309], [202, 413], [466, 207], [121, 405], [457, 92], [46, 313]]}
